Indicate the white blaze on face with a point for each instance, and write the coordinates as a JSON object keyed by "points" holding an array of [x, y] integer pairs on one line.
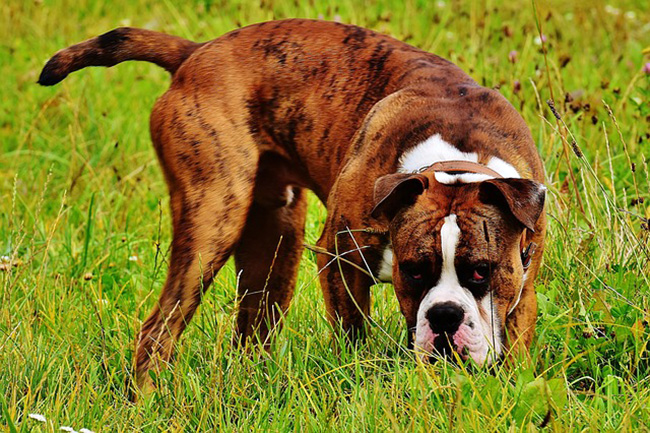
{"points": [[478, 334]]}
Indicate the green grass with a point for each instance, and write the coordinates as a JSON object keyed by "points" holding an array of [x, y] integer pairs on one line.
{"points": [[84, 215]]}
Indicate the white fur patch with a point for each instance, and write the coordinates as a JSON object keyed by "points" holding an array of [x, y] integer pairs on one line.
{"points": [[502, 167], [447, 178], [521, 290], [386, 266], [432, 150], [435, 149], [290, 195], [492, 325], [449, 238]]}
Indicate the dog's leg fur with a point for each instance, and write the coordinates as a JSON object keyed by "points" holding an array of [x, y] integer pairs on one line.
{"points": [[346, 289], [267, 259], [209, 208]]}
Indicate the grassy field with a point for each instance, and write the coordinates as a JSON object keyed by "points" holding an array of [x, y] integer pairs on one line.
{"points": [[85, 233]]}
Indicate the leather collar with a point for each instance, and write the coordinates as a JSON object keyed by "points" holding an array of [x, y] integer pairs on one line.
{"points": [[457, 167]]}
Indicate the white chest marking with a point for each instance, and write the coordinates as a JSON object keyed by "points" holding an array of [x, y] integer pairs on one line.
{"points": [[386, 265], [435, 149]]}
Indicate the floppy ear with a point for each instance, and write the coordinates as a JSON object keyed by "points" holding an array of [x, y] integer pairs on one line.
{"points": [[524, 198], [396, 191]]}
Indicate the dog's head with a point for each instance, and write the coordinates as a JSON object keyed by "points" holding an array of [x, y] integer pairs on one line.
{"points": [[457, 265]]}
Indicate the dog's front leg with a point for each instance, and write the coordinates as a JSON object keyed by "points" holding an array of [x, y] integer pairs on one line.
{"points": [[346, 275]]}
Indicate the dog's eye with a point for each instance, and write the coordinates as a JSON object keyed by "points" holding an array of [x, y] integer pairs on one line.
{"points": [[415, 274], [476, 278], [480, 273]]}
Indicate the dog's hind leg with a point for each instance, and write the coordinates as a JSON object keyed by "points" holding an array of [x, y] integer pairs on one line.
{"points": [[211, 189], [267, 259]]}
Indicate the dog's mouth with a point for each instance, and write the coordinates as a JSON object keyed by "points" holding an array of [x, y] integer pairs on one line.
{"points": [[444, 347], [465, 345]]}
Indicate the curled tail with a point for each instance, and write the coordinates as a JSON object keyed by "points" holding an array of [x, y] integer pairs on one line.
{"points": [[117, 46]]}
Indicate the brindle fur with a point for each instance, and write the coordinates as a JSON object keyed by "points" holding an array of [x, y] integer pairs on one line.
{"points": [[306, 105]]}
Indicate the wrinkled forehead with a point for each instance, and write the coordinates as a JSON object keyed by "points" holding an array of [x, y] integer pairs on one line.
{"points": [[451, 212]]}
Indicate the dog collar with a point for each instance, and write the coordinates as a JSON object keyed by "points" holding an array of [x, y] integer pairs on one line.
{"points": [[456, 167]]}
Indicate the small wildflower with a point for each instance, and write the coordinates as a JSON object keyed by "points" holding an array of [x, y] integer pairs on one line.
{"points": [[612, 10], [512, 56], [37, 417], [6, 264], [646, 68], [133, 258], [630, 15], [540, 39], [337, 18], [321, 16], [68, 429], [516, 86], [85, 430], [441, 4]]}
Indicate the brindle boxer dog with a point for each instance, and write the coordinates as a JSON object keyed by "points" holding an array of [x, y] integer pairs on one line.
{"points": [[440, 173]]}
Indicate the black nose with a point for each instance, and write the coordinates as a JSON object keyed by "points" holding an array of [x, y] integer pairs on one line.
{"points": [[445, 317]]}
